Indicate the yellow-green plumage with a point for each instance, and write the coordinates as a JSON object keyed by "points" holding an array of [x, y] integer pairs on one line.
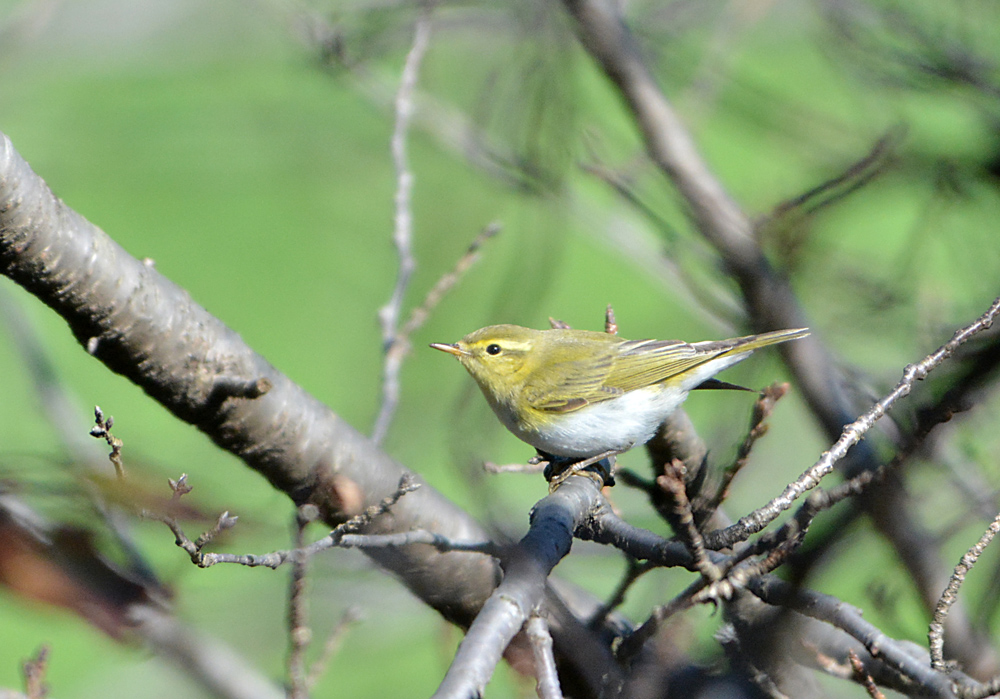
{"points": [[578, 393]]}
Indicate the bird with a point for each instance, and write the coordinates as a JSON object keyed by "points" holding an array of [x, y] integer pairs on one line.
{"points": [[579, 394]]}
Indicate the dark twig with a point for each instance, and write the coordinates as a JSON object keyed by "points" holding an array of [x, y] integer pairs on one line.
{"points": [[855, 176], [415, 536], [950, 594], [102, 430], [631, 645], [605, 527], [672, 482], [862, 677], [610, 324], [849, 619], [547, 680]]}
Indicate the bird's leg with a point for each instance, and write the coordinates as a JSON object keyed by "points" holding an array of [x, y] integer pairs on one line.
{"points": [[561, 468]]}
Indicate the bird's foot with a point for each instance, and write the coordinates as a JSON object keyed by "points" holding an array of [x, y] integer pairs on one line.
{"points": [[600, 468]]}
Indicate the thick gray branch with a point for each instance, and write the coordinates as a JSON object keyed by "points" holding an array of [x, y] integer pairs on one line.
{"points": [[143, 326]]}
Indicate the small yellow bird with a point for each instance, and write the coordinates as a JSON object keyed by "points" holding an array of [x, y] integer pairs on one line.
{"points": [[578, 394]]}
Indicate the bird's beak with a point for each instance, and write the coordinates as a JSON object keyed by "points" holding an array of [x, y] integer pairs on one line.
{"points": [[450, 349]]}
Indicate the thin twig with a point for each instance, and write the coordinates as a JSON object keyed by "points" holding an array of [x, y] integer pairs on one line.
{"points": [[335, 538], [531, 466], [862, 676], [402, 235], [632, 644], [414, 536], [672, 482], [950, 594], [610, 324], [299, 632], [400, 347], [852, 434]]}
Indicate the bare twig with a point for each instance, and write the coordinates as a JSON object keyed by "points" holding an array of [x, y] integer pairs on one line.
{"points": [[610, 324], [862, 676], [402, 235], [299, 632], [856, 175], [148, 329], [605, 527], [217, 667], [672, 481], [547, 680], [987, 689], [102, 430], [579, 468], [276, 559], [849, 619], [948, 597], [531, 466], [401, 345], [852, 434]]}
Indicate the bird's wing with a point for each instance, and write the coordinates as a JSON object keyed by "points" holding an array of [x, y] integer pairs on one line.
{"points": [[633, 364], [642, 363], [570, 385]]}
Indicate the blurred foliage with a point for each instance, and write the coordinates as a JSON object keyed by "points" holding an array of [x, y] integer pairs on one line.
{"points": [[244, 148]]}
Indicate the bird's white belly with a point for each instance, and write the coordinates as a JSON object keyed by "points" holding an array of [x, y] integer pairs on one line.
{"points": [[617, 424]]}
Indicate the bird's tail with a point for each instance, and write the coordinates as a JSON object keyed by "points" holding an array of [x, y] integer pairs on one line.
{"points": [[739, 345]]}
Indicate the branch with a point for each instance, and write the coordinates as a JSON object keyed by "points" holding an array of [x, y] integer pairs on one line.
{"points": [[141, 325], [146, 328], [526, 568]]}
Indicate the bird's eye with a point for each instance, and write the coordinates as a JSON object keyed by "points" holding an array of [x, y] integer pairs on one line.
{"points": [[493, 349]]}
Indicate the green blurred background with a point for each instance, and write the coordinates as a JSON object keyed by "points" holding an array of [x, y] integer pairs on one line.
{"points": [[212, 138]]}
